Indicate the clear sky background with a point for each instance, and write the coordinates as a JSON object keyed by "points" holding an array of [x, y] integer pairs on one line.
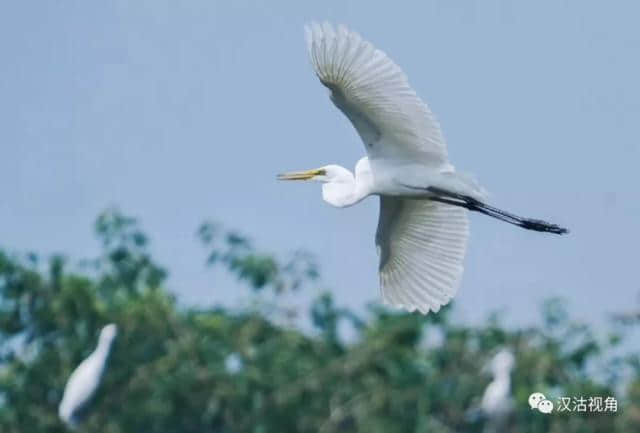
{"points": [[182, 111]]}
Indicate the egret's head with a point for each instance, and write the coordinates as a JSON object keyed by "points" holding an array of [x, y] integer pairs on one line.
{"points": [[339, 188], [108, 333], [328, 173], [503, 362]]}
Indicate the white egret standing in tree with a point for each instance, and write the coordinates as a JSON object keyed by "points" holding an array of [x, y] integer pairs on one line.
{"points": [[496, 401], [423, 228], [84, 380]]}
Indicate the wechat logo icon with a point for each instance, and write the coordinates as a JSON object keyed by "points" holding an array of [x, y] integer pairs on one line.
{"points": [[537, 400]]}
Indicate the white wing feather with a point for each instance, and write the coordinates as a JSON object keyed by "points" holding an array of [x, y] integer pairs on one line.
{"points": [[421, 245], [374, 94]]}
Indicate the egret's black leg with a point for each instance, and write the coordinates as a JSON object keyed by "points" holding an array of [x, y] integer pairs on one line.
{"points": [[473, 204]]}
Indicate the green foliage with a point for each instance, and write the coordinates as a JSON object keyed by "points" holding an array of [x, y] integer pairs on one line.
{"points": [[260, 270], [219, 370]]}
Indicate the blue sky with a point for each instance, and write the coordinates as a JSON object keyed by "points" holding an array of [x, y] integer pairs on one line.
{"points": [[179, 112]]}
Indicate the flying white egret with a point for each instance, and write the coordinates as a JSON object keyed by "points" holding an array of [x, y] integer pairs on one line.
{"points": [[423, 227], [84, 380]]}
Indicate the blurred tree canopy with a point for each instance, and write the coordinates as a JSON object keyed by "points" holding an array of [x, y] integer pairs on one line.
{"points": [[197, 370]]}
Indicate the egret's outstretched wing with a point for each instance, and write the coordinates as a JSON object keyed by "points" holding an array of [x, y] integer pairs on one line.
{"points": [[374, 94], [421, 245]]}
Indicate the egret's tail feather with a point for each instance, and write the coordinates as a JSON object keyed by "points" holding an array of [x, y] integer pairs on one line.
{"points": [[464, 183]]}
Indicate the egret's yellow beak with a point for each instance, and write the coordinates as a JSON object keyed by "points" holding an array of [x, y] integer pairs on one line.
{"points": [[302, 175]]}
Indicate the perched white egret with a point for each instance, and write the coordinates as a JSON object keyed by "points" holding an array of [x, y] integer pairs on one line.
{"points": [[84, 380], [495, 400], [423, 227], [496, 403]]}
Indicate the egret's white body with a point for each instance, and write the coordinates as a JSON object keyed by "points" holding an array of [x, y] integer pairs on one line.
{"points": [[84, 380], [421, 237], [496, 400]]}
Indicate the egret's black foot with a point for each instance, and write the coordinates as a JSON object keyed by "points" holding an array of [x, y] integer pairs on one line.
{"points": [[542, 226]]}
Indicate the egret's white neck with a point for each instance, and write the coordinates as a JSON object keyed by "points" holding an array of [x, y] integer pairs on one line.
{"points": [[503, 378], [342, 194], [102, 351], [342, 189]]}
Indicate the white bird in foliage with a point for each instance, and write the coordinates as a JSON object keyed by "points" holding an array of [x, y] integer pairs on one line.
{"points": [[496, 403], [84, 380], [496, 400], [423, 227]]}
